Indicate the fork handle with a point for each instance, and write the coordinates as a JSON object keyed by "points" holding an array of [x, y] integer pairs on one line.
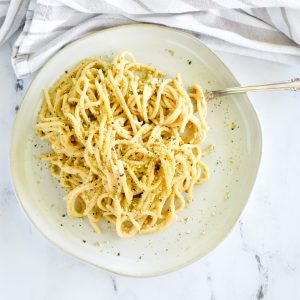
{"points": [[292, 85]]}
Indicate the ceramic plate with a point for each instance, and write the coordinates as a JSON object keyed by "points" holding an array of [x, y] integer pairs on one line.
{"points": [[234, 130]]}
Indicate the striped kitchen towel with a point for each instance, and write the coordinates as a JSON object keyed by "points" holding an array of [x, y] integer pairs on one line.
{"points": [[268, 29]]}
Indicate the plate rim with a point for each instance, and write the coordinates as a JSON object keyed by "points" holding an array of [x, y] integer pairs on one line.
{"points": [[90, 262]]}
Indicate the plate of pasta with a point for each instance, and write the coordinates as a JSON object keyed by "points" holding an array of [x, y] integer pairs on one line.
{"points": [[119, 160]]}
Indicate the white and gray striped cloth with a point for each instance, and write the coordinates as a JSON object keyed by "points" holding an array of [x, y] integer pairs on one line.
{"points": [[268, 29]]}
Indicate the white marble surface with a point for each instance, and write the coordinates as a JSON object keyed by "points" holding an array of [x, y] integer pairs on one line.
{"points": [[260, 259]]}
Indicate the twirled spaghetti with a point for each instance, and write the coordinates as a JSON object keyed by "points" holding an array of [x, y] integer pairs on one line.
{"points": [[125, 142]]}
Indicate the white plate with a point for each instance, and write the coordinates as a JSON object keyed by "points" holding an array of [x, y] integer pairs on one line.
{"points": [[217, 204]]}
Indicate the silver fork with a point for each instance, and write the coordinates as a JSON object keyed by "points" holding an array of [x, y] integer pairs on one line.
{"points": [[291, 85]]}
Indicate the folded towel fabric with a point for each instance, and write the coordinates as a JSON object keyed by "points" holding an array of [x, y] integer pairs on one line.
{"points": [[268, 29]]}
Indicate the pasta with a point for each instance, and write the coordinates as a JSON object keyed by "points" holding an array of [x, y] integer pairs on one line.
{"points": [[125, 143]]}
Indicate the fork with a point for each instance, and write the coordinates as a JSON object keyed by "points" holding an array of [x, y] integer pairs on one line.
{"points": [[291, 85]]}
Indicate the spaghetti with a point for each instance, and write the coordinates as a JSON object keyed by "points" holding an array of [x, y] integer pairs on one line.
{"points": [[125, 143]]}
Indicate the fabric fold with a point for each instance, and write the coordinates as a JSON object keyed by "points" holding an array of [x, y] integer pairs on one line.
{"points": [[264, 29]]}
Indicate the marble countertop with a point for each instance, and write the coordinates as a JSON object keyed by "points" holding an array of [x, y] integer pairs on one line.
{"points": [[260, 259]]}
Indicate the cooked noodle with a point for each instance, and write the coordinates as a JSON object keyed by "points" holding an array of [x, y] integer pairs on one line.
{"points": [[125, 143]]}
